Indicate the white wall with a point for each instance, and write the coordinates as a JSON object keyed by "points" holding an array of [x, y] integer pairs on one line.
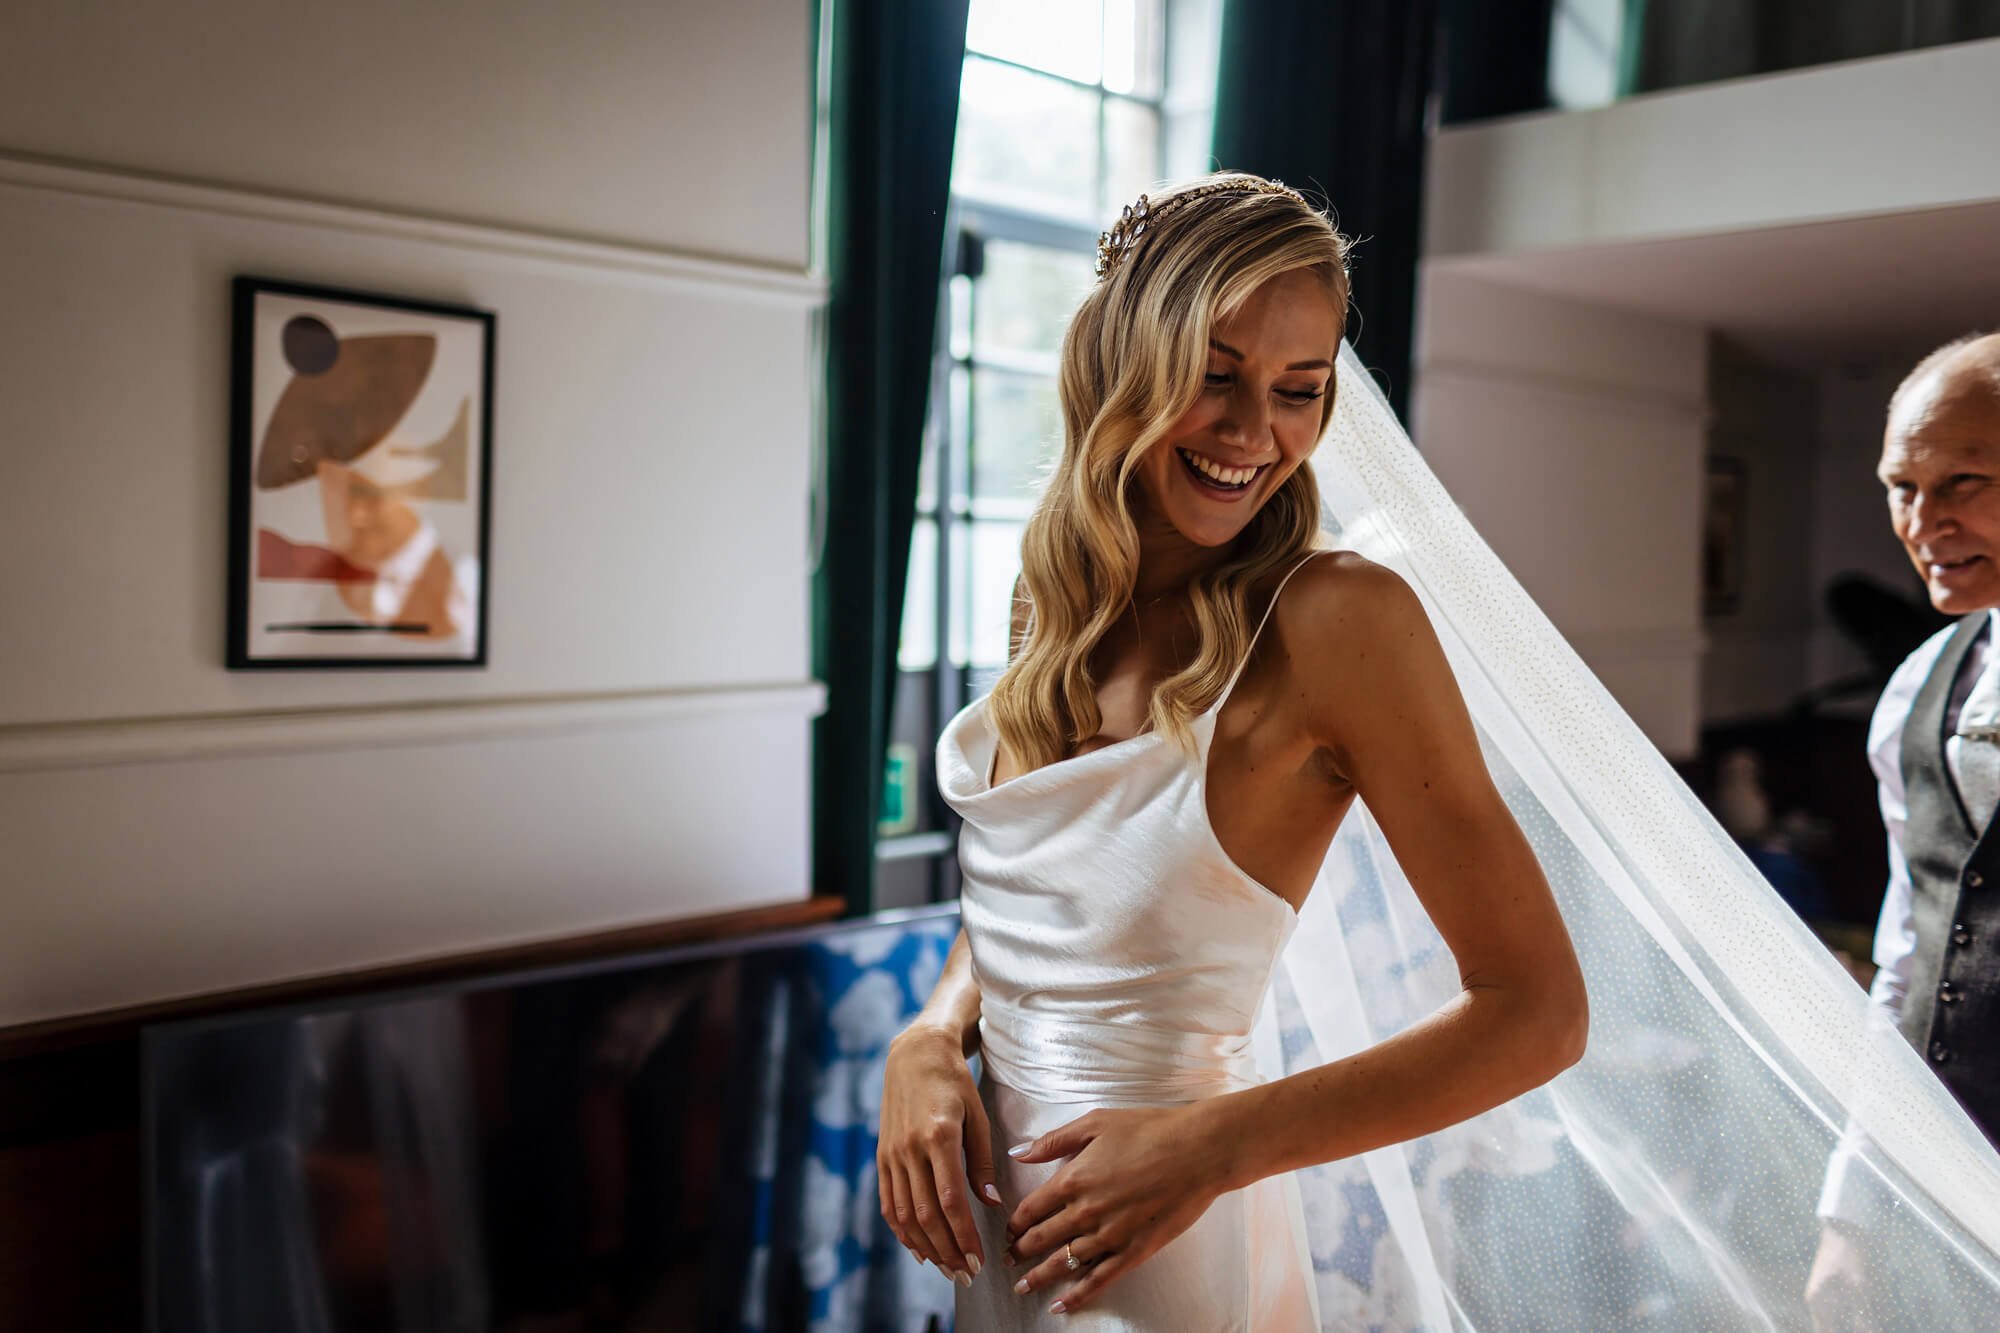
{"points": [[1572, 437], [680, 125], [1815, 512], [625, 185], [1765, 419], [1718, 209], [1899, 132]]}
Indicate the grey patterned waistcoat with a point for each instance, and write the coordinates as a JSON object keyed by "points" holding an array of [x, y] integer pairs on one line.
{"points": [[1952, 1012]]}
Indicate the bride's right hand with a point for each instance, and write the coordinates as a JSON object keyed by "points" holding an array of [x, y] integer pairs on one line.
{"points": [[935, 1149]]}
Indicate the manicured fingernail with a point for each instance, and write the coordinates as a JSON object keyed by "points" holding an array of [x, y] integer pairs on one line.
{"points": [[962, 1279], [972, 1262], [991, 1191], [1011, 1259], [1057, 1307], [1021, 1287], [1020, 1148]]}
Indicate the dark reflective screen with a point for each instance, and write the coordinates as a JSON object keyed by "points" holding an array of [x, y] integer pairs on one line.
{"points": [[681, 1141]]}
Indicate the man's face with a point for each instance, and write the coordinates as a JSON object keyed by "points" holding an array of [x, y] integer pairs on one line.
{"points": [[1941, 468]]}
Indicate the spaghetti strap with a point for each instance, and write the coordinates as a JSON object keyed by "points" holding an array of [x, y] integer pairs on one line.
{"points": [[1256, 633]]}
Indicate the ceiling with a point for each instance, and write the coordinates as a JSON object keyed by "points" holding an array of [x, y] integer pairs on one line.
{"points": [[1848, 293]]}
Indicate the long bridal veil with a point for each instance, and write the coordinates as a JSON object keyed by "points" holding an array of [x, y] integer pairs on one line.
{"points": [[1671, 1179]]}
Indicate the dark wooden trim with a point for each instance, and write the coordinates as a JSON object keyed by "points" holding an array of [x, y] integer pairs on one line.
{"points": [[110, 1025]]}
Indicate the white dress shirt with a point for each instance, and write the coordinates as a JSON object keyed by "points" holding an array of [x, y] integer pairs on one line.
{"points": [[1896, 931]]}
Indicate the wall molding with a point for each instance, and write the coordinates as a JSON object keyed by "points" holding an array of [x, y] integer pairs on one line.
{"points": [[96, 744], [785, 286], [1633, 400]]}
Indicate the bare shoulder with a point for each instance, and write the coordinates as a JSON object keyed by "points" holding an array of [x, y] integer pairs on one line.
{"points": [[1356, 638], [1339, 597]]}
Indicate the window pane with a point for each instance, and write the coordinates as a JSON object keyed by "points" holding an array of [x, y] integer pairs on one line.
{"points": [[1585, 38], [960, 393], [908, 767], [927, 470], [959, 298], [979, 682], [1061, 36], [1025, 140], [1133, 53], [1016, 433], [917, 650], [996, 560], [1189, 136], [958, 641], [1196, 26], [1131, 152], [1027, 296]]}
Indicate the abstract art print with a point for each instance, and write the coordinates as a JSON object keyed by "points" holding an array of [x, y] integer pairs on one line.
{"points": [[361, 432]]}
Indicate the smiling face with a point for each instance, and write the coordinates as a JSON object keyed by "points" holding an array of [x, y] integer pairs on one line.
{"points": [[1941, 467], [1270, 362]]}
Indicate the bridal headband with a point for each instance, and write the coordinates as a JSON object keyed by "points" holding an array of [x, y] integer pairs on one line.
{"points": [[1137, 219]]}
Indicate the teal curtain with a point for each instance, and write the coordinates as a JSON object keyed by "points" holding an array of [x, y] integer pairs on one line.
{"points": [[1331, 98], [1495, 58], [893, 111]]}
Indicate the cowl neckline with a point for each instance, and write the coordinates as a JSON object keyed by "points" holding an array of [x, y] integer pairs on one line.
{"points": [[969, 742], [966, 753], [974, 755]]}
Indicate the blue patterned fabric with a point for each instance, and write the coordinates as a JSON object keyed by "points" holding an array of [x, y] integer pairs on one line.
{"points": [[824, 1259]]}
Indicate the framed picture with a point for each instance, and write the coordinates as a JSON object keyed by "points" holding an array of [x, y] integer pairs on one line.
{"points": [[1722, 534], [360, 462]]}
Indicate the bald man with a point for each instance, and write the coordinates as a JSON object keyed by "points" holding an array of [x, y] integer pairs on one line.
{"points": [[1934, 744]]}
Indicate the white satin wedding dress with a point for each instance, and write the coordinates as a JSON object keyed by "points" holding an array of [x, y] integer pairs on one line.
{"points": [[1121, 957]]}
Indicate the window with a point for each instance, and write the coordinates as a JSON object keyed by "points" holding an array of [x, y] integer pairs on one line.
{"points": [[1584, 37], [1068, 110]]}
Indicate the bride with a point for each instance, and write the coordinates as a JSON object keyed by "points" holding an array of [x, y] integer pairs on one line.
{"points": [[1293, 836], [1148, 793]]}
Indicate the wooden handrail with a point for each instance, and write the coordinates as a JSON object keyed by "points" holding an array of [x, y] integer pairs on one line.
{"points": [[109, 1025]]}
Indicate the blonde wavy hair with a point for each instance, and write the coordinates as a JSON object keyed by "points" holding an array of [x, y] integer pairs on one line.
{"points": [[1133, 361]]}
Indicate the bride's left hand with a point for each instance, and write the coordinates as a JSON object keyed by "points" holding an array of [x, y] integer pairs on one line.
{"points": [[1136, 1178]]}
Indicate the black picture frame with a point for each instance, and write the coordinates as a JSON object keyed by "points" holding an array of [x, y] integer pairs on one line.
{"points": [[1725, 516], [320, 377]]}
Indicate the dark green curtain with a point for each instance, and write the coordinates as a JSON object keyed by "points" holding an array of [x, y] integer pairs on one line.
{"points": [[1331, 98], [1495, 57], [893, 110]]}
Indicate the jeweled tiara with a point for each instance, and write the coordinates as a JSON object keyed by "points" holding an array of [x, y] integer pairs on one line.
{"points": [[1137, 219]]}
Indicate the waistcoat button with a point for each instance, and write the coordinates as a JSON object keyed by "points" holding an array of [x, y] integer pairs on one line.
{"points": [[1973, 879], [1947, 994], [1959, 934], [1940, 1053]]}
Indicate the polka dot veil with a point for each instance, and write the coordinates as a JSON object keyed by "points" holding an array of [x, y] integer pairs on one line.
{"points": [[1672, 1179]]}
